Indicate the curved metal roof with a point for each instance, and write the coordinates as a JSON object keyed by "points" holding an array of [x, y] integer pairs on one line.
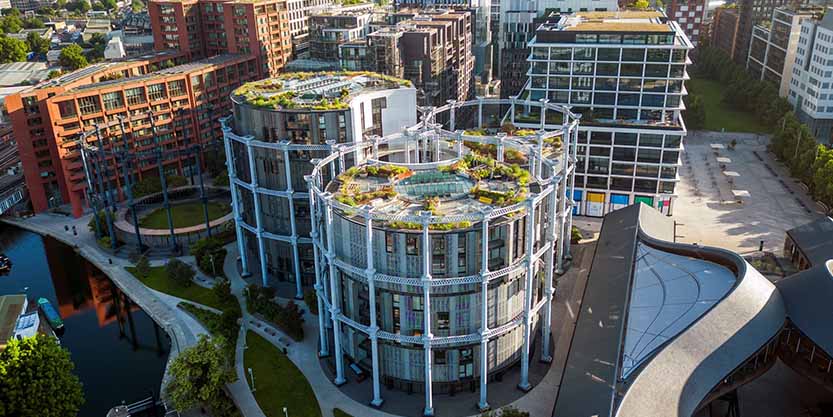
{"points": [[807, 296]]}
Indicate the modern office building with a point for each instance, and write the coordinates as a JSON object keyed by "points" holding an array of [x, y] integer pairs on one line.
{"points": [[624, 72], [751, 13], [173, 108], [513, 26], [772, 52], [336, 26], [724, 29], [430, 48], [439, 274], [279, 126], [811, 87], [205, 28], [690, 14]]}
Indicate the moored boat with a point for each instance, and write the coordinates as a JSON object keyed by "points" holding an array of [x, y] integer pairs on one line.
{"points": [[50, 314]]}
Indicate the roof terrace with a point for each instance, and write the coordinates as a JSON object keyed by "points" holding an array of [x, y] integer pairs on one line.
{"points": [[316, 91]]}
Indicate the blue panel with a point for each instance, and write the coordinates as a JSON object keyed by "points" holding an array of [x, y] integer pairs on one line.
{"points": [[619, 199], [577, 195]]}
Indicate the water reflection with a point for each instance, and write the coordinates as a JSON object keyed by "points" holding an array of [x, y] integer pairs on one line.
{"points": [[119, 352]]}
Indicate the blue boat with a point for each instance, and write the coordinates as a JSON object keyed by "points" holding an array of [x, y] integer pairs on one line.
{"points": [[50, 313]]}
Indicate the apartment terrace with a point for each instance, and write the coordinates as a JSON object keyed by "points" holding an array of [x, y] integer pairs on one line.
{"points": [[316, 91]]}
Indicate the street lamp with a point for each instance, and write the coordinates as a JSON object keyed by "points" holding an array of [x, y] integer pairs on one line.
{"points": [[285, 413]]}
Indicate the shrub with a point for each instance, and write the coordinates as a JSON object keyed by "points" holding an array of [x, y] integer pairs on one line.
{"points": [[102, 221], [143, 267], [575, 235], [104, 242], [289, 317], [180, 272], [210, 255], [153, 185]]}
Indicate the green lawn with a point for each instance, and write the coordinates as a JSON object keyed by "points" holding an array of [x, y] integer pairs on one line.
{"points": [[718, 115], [278, 383], [184, 215], [158, 280]]}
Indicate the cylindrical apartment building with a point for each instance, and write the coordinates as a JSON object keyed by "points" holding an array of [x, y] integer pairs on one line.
{"points": [[278, 126], [436, 269]]}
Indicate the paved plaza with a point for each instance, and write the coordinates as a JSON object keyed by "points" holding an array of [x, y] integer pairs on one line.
{"points": [[739, 200]]}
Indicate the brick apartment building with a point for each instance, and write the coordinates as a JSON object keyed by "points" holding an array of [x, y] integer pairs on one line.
{"points": [[432, 49], [184, 99], [204, 28], [690, 14]]}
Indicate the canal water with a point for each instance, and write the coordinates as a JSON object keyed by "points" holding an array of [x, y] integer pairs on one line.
{"points": [[118, 352]]}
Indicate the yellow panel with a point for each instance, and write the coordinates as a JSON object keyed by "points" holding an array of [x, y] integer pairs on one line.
{"points": [[596, 197]]}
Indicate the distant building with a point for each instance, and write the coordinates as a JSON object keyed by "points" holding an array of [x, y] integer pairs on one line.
{"points": [[185, 101], [724, 29], [114, 49], [299, 12], [811, 86], [335, 26], [27, 5], [690, 14], [22, 73], [753, 12], [772, 51], [432, 49], [204, 28], [99, 26]]}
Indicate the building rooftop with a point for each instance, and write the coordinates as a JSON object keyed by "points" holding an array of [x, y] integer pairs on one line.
{"points": [[11, 307], [316, 91], [814, 239], [648, 21], [15, 73], [470, 185]]}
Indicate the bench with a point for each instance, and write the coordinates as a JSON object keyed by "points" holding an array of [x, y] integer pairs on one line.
{"points": [[360, 375]]}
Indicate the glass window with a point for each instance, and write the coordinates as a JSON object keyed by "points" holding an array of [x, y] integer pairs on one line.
{"points": [[645, 186], [648, 139], [668, 172], [597, 182], [677, 71], [176, 88], [621, 184], [650, 171], [600, 151], [442, 320], [560, 54], [89, 105], [607, 69], [628, 99], [622, 169], [560, 67], [675, 86], [628, 139], [604, 98], [580, 97], [678, 55], [135, 95], [633, 55], [659, 55], [412, 245], [600, 138], [670, 157], [673, 141], [540, 53], [390, 242], [649, 155], [598, 166], [584, 54], [672, 101], [609, 38], [652, 100], [630, 84], [607, 84], [112, 100], [634, 70], [560, 82], [608, 54], [583, 68], [656, 70], [586, 38], [67, 109], [635, 39], [582, 83], [627, 114], [156, 92], [655, 85], [624, 154], [666, 187]]}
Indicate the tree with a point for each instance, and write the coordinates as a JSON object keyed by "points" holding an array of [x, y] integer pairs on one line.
{"points": [[72, 57], [199, 374], [12, 50], [143, 267], [33, 23], [180, 272], [641, 4], [137, 6], [36, 379], [54, 74], [10, 12], [98, 42], [695, 113], [37, 43], [11, 24]]}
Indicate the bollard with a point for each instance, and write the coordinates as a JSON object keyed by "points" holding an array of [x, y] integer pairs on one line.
{"points": [[761, 246], [110, 261], [66, 228]]}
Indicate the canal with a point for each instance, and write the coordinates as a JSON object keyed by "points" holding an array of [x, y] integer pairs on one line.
{"points": [[118, 353]]}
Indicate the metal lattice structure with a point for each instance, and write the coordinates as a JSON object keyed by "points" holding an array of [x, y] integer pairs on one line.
{"points": [[336, 225]]}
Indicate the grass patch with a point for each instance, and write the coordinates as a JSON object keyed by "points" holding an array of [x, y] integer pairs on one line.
{"points": [[718, 114], [337, 412], [278, 383], [184, 215], [159, 281]]}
